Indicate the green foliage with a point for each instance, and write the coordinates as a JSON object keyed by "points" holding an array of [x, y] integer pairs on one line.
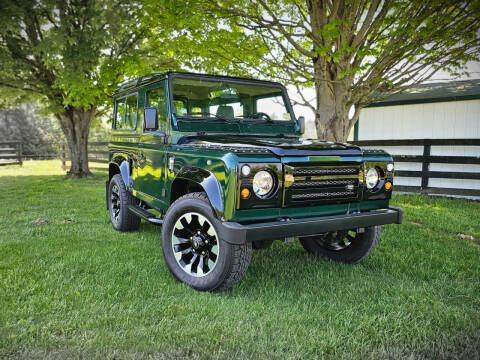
{"points": [[40, 135], [73, 53], [200, 40], [100, 131], [75, 288]]}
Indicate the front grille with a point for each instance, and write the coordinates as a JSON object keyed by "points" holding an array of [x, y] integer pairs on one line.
{"points": [[320, 184], [328, 171]]}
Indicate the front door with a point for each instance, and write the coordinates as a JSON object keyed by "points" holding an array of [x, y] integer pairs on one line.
{"points": [[150, 167]]}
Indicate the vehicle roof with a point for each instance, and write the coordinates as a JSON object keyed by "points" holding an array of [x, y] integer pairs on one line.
{"points": [[140, 81]]}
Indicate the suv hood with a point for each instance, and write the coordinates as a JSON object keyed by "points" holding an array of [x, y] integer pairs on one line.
{"points": [[280, 146]]}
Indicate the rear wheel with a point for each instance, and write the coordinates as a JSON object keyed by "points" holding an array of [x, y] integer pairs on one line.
{"points": [[194, 252], [118, 200], [346, 246]]}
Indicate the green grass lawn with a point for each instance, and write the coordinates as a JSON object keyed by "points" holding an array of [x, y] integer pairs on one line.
{"points": [[73, 287]]}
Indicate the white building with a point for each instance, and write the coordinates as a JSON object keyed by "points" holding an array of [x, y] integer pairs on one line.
{"points": [[429, 111]]}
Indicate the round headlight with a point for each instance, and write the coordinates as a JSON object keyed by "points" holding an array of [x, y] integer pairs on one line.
{"points": [[245, 170], [262, 183], [372, 178], [389, 167]]}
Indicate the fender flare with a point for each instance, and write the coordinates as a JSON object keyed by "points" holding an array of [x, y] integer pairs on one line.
{"points": [[124, 166], [209, 184], [125, 173]]}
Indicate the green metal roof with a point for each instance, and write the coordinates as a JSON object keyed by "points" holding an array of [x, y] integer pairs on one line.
{"points": [[434, 92], [153, 77], [141, 80]]}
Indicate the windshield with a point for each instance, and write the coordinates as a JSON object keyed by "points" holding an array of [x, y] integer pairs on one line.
{"points": [[226, 100]]}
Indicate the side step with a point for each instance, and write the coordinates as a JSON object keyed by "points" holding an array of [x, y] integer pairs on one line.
{"points": [[144, 214]]}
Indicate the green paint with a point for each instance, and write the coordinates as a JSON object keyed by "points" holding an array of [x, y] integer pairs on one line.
{"points": [[206, 152], [324, 158]]}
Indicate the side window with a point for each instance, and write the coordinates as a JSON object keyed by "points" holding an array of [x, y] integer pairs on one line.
{"points": [[126, 116], [131, 112], [156, 99], [120, 114]]}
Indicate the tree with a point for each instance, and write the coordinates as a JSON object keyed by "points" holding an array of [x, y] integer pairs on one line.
{"points": [[200, 40], [350, 51], [38, 134], [71, 55]]}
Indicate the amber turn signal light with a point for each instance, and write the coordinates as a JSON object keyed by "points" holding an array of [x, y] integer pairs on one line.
{"points": [[245, 193], [388, 185]]}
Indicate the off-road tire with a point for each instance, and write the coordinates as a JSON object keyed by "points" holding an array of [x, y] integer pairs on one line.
{"points": [[232, 262], [125, 221], [359, 248]]}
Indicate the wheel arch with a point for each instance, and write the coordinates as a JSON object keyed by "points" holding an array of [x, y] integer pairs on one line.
{"points": [[120, 164], [193, 179]]}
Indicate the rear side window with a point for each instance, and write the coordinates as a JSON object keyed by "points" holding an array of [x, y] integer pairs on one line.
{"points": [[156, 99], [126, 113]]}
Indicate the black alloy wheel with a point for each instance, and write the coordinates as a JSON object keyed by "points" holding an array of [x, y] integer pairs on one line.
{"points": [[195, 244]]}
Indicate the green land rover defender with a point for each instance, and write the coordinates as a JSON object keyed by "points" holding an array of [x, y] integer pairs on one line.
{"points": [[220, 164]]}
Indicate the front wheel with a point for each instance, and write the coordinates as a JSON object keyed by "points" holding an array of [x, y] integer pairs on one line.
{"points": [[346, 246], [194, 252]]}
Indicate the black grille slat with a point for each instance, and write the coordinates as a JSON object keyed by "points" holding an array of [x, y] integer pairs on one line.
{"points": [[325, 172], [309, 184], [324, 195]]}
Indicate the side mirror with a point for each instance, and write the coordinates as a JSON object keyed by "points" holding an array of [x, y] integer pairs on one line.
{"points": [[301, 123], [151, 118]]}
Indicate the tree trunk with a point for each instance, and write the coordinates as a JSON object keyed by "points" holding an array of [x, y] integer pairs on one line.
{"points": [[75, 123], [331, 114], [332, 91]]}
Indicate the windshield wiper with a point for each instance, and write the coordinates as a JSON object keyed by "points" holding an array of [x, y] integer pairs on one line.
{"points": [[258, 117], [215, 116]]}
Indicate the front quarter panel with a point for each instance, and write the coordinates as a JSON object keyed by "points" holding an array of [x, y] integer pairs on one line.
{"points": [[208, 182], [215, 171]]}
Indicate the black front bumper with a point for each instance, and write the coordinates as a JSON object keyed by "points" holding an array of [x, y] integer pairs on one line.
{"points": [[236, 233]]}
